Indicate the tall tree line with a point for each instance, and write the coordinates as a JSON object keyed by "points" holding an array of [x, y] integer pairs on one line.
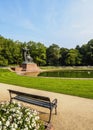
{"points": [[11, 53]]}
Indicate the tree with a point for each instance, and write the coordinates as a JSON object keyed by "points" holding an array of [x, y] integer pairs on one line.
{"points": [[90, 51], [73, 57], [10, 51], [87, 53], [53, 55], [3, 61], [37, 52], [63, 53], [17, 53]]}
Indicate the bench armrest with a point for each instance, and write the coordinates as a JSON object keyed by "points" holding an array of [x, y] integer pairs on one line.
{"points": [[54, 101], [55, 105]]}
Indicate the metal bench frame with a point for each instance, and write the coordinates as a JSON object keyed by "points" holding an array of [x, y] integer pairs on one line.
{"points": [[41, 101]]}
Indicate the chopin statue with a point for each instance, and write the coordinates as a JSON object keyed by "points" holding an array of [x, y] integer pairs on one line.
{"points": [[28, 64], [27, 58]]}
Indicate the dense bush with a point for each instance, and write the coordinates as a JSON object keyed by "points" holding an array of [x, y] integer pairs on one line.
{"points": [[13, 116]]}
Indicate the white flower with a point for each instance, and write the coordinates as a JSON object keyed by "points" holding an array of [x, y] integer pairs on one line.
{"points": [[26, 128], [4, 128], [7, 123], [7, 103], [13, 128], [33, 120], [0, 123], [27, 119], [10, 118], [18, 111], [36, 118], [30, 126], [3, 119], [14, 125], [33, 124], [19, 118], [28, 113], [0, 127], [13, 102], [19, 105], [37, 127], [35, 112]]}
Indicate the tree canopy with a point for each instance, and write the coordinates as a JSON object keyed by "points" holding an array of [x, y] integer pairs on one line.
{"points": [[11, 53]]}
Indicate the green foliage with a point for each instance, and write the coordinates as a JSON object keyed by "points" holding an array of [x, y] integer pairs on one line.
{"points": [[11, 53], [3, 61], [38, 52], [63, 53], [86, 51], [73, 57], [53, 55]]}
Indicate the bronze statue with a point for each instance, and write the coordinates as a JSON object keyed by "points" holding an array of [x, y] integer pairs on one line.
{"points": [[27, 58]]}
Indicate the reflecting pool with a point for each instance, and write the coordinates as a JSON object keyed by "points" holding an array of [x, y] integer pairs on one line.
{"points": [[68, 74]]}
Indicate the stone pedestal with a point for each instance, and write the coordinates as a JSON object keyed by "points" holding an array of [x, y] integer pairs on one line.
{"points": [[30, 67]]}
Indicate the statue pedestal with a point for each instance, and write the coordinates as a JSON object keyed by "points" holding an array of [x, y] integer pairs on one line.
{"points": [[30, 67]]}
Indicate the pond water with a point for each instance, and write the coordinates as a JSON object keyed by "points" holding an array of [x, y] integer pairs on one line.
{"points": [[68, 74]]}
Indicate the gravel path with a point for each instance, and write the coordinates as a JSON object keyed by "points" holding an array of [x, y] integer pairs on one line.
{"points": [[74, 113]]}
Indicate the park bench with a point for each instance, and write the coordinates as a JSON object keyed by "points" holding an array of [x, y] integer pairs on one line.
{"points": [[41, 101]]}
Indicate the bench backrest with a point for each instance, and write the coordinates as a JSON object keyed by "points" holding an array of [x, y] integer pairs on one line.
{"points": [[30, 95]]}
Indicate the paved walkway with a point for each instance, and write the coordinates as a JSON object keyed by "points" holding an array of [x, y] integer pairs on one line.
{"points": [[74, 113]]}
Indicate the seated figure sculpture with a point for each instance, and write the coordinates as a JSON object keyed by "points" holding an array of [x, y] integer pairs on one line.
{"points": [[27, 58]]}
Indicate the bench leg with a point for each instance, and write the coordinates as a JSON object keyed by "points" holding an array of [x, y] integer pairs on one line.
{"points": [[50, 116], [51, 113], [56, 110], [10, 98]]}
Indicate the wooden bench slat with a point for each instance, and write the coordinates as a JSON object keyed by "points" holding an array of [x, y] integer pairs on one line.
{"points": [[30, 95], [35, 101]]}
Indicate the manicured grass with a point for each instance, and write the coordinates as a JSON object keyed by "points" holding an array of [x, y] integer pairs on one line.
{"points": [[77, 87]]}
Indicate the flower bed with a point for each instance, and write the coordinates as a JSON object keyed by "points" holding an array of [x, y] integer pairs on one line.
{"points": [[17, 117]]}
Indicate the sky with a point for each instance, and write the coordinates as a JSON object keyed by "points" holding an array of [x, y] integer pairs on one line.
{"points": [[67, 23]]}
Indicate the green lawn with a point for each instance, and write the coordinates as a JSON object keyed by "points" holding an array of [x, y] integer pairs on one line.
{"points": [[77, 87]]}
